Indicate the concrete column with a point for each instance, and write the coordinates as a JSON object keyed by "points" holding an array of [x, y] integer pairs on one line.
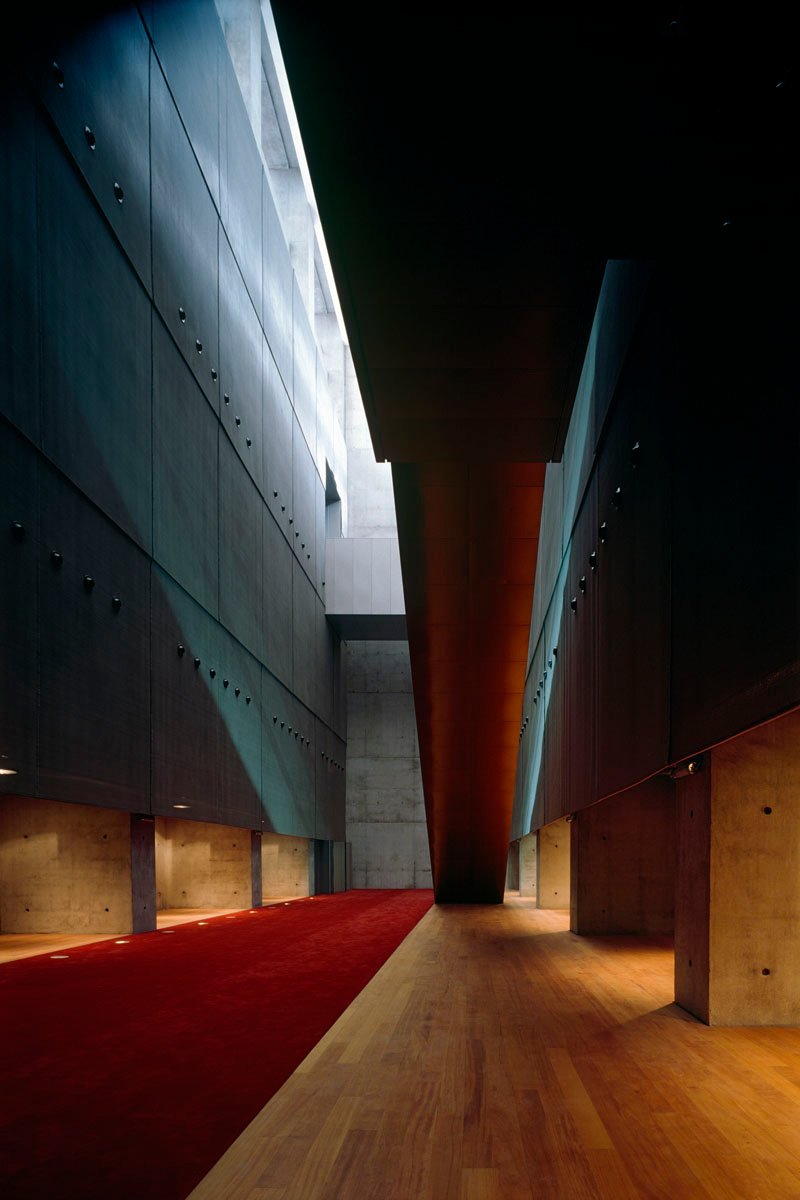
{"points": [[201, 865], [65, 868], [339, 866], [622, 877], [552, 865], [255, 868], [527, 865], [284, 866], [737, 913], [512, 870], [143, 873]]}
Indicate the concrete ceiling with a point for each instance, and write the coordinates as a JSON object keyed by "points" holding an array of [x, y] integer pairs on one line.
{"points": [[474, 171]]}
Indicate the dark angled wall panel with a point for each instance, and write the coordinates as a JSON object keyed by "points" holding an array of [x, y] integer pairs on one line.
{"points": [[339, 683], [185, 511], [188, 40], [550, 799], [330, 816], [633, 570], [318, 553], [99, 101], [577, 659], [19, 346], [736, 586], [95, 335], [304, 604], [287, 774], [94, 655], [277, 289], [276, 606], [185, 715], [241, 511], [239, 704], [303, 538], [323, 667], [240, 359], [278, 422], [241, 182], [19, 556], [185, 230]]}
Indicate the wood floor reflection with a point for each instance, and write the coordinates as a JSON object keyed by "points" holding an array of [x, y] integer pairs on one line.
{"points": [[496, 1055]]}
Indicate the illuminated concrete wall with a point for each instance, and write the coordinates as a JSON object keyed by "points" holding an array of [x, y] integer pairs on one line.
{"points": [[63, 868], [167, 429], [284, 866], [385, 807]]}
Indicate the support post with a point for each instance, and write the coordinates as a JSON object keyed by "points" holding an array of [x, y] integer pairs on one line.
{"points": [[552, 863], [737, 918]]}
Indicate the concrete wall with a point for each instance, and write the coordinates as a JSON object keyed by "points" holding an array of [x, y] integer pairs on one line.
{"points": [[166, 424], [622, 872], [284, 865], [64, 868], [385, 807], [371, 511], [737, 954], [553, 865], [656, 627], [527, 865], [200, 865]]}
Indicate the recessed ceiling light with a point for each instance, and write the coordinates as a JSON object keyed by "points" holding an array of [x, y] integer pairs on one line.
{"points": [[202, 922], [59, 956], [121, 941], [181, 806], [166, 931], [7, 771]]}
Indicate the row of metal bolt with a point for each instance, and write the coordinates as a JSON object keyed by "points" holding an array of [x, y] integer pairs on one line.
{"points": [[212, 671], [57, 561], [602, 533]]}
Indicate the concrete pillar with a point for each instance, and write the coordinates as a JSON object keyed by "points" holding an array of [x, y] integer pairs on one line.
{"points": [[339, 866], [201, 865], [527, 865], [257, 887], [552, 865], [512, 869], [66, 868], [737, 914], [143, 873], [284, 866], [622, 877]]}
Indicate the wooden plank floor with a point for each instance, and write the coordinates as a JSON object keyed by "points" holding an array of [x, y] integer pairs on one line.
{"points": [[496, 1056]]}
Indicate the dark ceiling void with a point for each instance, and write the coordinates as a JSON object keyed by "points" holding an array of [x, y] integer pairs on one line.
{"points": [[474, 171]]}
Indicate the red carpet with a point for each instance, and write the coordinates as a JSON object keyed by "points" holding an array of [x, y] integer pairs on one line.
{"points": [[127, 1070]]}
